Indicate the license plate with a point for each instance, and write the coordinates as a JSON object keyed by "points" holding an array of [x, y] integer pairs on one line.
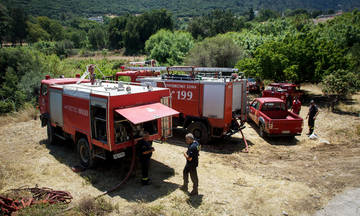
{"points": [[119, 155], [285, 132]]}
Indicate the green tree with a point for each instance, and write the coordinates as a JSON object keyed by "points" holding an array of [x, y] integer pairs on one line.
{"points": [[251, 14], [5, 21], [216, 22], [340, 84], [52, 27], [168, 47], [97, 38], [219, 51], [18, 30], [139, 29], [116, 32], [36, 33], [266, 14], [78, 37]]}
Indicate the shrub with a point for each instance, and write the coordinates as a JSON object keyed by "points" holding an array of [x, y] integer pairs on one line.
{"points": [[217, 51], [169, 47]]}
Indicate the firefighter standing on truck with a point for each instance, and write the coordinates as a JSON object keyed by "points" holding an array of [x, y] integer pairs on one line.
{"points": [[145, 150], [192, 161], [312, 114], [296, 105]]}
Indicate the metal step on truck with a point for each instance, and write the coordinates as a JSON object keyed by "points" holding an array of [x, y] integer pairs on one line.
{"points": [[103, 118]]}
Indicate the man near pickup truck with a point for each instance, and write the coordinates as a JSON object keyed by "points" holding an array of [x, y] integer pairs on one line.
{"points": [[296, 106], [312, 114], [145, 150], [192, 161]]}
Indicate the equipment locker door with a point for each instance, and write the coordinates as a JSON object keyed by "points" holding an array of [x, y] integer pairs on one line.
{"points": [[56, 112], [214, 98]]}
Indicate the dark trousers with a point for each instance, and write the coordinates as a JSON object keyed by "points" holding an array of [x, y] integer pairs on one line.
{"points": [[145, 163], [193, 175], [311, 124]]}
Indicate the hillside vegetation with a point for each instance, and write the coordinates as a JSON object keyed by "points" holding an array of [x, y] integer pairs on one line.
{"points": [[62, 8], [265, 46]]}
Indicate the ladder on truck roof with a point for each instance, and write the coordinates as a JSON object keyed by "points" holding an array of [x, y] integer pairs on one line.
{"points": [[187, 69]]}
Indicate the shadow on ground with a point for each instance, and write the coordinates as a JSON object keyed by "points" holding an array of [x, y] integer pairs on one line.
{"points": [[286, 141], [107, 174], [220, 146], [325, 102]]}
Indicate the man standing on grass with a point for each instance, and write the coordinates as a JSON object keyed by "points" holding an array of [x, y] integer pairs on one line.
{"points": [[296, 106], [145, 150], [312, 114], [192, 161]]}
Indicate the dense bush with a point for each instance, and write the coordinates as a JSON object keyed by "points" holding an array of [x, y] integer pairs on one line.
{"points": [[295, 49], [216, 22], [131, 32], [217, 51], [168, 47], [22, 69]]}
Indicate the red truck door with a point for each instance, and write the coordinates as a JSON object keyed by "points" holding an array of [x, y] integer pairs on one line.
{"points": [[254, 111], [44, 98]]}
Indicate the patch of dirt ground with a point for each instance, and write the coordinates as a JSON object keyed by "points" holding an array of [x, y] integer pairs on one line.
{"points": [[277, 177]]}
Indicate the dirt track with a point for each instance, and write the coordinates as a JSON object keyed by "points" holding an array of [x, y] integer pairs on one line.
{"points": [[278, 176]]}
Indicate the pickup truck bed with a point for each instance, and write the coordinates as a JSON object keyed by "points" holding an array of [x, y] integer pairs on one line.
{"points": [[271, 115]]}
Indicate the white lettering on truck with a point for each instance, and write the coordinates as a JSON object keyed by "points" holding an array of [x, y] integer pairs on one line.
{"points": [[79, 111]]}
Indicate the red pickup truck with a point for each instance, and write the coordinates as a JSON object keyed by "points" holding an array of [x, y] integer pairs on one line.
{"points": [[273, 118]]}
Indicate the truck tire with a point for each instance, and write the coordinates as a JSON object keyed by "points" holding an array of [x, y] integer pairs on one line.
{"points": [[200, 132], [85, 154], [50, 133], [262, 132]]}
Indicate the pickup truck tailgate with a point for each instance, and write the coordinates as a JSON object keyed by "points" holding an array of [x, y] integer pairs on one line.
{"points": [[291, 125]]}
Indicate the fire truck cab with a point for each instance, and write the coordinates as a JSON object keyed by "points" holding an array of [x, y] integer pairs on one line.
{"points": [[103, 118]]}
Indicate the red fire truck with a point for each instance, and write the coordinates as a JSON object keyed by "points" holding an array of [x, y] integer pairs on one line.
{"points": [[103, 118], [137, 73], [284, 91], [210, 103]]}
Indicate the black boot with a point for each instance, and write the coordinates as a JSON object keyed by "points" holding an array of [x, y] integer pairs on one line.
{"points": [[194, 192], [184, 188]]}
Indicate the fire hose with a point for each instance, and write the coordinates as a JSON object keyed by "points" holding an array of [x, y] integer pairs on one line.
{"points": [[39, 196], [127, 175]]}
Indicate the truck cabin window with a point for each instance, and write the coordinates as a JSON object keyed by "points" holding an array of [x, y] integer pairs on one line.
{"points": [[98, 123], [256, 105], [124, 129], [273, 107], [44, 89]]}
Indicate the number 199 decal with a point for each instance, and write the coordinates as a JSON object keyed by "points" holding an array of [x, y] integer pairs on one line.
{"points": [[184, 95]]}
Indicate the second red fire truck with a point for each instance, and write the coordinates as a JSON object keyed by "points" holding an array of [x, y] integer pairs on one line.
{"points": [[210, 103]]}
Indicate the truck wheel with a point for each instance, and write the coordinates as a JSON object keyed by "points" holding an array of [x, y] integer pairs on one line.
{"points": [[85, 154], [200, 132], [50, 133], [262, 131]]}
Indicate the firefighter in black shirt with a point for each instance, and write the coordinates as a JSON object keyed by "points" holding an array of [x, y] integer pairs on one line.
{"points": [[145, 150], [192, 161], [312, 114]]}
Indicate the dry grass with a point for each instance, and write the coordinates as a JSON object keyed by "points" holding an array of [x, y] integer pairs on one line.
{"points": [[42, 210], [142, 209], [29, 112], [296, 176], [313, 88], [89, 206], [353, 106]]}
